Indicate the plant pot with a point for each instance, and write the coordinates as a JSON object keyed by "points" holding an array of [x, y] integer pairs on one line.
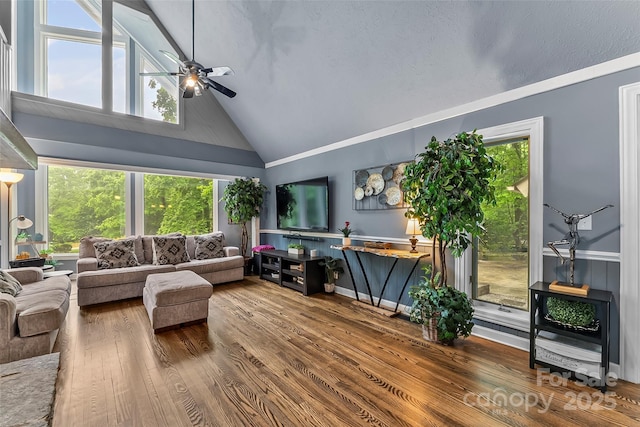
{"points": [[430, 330], [329, 288], [294, 251], [346, 241]]}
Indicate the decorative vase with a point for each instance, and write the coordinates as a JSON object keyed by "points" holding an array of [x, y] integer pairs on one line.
{"points": [[430, 330], [346, 241], [329, 288]]}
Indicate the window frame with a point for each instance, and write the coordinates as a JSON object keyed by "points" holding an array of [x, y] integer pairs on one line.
{"points": [[134, 193], [493, 313], [43, 32]]}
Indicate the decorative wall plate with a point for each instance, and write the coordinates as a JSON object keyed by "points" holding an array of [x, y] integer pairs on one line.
{"points": [[368, 191], [398, 174], [358, 194], [376, 182], [394, 196], [361, 178], [387, 173]]}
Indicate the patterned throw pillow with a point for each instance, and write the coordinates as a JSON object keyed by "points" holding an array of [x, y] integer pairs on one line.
{"points": [[170, 250], [209, 246], [9, 284], [116, 254]]}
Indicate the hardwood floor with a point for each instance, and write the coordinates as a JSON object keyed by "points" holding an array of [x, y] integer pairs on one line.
{"points": [[270, 356]]}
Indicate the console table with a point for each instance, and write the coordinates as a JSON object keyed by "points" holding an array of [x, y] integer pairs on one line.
{"points": [[388, 253]]}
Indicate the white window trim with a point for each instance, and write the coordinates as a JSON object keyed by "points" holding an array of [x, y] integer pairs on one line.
{"points": [[629, 112], [513, 318]]}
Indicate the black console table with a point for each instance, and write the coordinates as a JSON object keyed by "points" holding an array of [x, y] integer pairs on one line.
{"points": [[540, 325], [388, 253], [300, 272]]}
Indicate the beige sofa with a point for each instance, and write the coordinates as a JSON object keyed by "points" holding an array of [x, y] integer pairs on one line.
{"points": [[98, 286], [29, 321]]}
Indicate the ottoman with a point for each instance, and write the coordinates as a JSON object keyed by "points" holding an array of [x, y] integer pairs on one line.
{"points": [[176, 299]]}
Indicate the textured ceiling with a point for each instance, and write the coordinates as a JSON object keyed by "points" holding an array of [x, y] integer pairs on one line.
{"points": [[313, 73]]}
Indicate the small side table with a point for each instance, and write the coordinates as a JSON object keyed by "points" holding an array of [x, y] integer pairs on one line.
{"points": [[57, 273]]}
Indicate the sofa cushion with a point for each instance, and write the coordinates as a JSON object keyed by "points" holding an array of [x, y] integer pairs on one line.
{"points": [[41, 312], [147, 247], [169, 250], [203, 266], [119, 276], [87, 250], [116, 254], [61, 283], [9, 284], [209, 246]]}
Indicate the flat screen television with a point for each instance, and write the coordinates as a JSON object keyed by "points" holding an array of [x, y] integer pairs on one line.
{"points": [[303, 205]]}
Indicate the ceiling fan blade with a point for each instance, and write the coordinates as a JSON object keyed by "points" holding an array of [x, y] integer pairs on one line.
{"points": [[223, 90], [188, 92], [218, 71], [173, 57], [161, 74]]}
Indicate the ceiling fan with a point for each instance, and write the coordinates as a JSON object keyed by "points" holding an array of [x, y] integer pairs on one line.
{"points": [[195, 77]]}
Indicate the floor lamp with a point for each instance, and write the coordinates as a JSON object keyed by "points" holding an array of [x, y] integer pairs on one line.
{"points": [[10, 178]]}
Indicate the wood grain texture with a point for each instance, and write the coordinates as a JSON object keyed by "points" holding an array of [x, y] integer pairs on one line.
{"points": [[269, 356]]}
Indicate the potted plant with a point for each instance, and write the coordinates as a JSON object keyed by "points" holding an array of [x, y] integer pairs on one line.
{"points": [[242, 201], [444, 312], [332, 270], [22, 237], [346, 231], [45, 253], [444, 189], [296, 249]]}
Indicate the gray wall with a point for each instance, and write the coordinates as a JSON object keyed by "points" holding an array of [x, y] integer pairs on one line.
{"points": [[581, 173]]}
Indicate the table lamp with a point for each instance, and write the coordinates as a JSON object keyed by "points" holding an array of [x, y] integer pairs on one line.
{"points": [[413, 229]]}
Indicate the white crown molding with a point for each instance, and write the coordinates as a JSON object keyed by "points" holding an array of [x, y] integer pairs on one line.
{"points": [[589, 73], [590, 255]]}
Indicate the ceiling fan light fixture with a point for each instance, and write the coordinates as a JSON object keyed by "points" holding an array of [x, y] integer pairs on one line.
{"points": [[191, 81]]}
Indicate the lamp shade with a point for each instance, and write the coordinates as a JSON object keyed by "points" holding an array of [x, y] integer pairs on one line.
{"points": [[9, 177], [22, 222], [413, 227]]}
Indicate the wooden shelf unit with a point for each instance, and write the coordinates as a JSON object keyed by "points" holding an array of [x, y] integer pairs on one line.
{"points": [[308, 280]]}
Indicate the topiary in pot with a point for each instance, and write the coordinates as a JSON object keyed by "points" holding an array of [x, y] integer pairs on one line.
{"points": [[242, 201], [444, 189]]}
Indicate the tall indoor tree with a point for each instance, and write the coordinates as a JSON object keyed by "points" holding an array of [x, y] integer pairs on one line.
{"points": [[444, 189], [242, 201]]}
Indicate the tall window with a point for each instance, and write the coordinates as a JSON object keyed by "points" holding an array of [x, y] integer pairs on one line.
{"points": [[84, 202], [66, 53], [181, 204], [501, 256]]}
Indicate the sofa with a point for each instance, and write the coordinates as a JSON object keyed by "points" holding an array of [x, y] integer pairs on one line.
{"points": [[30, 320], [98, 285]]}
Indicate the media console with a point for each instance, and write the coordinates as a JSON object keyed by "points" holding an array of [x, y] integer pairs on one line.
{"points": [[300, 272]]}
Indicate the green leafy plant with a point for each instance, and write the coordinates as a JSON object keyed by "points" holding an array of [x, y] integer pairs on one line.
{"points": [[332, 268], [23, 235], [575, 313], [444, 189], [295, 246], [450, 308], [242, 201], [44, 253]]}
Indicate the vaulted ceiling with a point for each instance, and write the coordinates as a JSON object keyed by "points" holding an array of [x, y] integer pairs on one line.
{"points": [[313, 73]]}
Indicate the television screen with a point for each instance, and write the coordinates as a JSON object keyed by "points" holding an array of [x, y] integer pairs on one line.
{"points": [[303, 205]]}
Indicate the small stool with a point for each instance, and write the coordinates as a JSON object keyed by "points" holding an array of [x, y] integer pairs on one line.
{"points": [[175, 299]]}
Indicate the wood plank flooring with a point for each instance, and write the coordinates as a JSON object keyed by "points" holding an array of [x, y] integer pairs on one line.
{"points": [[272, 357]]}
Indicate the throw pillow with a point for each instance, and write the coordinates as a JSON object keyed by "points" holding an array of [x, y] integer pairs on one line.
{"points": [[209, 246], [116, 254], [9, 284], [169, 250]]}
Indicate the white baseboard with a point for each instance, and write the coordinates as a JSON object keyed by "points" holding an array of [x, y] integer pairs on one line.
{"points": [[501, 337]]}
